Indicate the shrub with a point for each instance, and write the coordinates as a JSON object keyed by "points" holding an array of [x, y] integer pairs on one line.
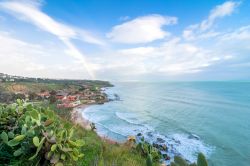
{"points": [[52, 99], [148, 151], [201, 161], [36, 135]]}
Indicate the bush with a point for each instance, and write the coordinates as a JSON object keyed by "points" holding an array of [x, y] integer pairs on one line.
{"points": [[201, 161], [32, 96], [33, 135], [52, 99], [148, 151]]}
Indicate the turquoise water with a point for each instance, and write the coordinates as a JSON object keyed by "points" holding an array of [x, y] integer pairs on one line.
{"points": [[211, 117]]}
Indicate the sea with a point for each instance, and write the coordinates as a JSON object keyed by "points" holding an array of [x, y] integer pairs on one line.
{"points": [[189, 117]]}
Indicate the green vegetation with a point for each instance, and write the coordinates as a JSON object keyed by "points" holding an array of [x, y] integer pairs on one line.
{"points": [[147, 150], [64, 113], [33, 135], [21, 88], [31, 87], [201, 161], [36, 135]]}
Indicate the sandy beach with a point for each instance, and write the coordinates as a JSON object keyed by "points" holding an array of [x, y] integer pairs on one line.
{"points": [[77, 118]]}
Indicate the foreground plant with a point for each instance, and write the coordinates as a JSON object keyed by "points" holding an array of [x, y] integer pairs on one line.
{"points": [[201, 161], [147, 150], [36, 135]]}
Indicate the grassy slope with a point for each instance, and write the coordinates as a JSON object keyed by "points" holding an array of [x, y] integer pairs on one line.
{"points": [[30, 87], [100, 152]]}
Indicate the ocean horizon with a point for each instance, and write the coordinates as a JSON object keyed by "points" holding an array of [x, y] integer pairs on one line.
{"points": [[191, 117]]}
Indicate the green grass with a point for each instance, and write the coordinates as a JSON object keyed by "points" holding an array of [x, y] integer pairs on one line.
{"points": [[103, 153]]}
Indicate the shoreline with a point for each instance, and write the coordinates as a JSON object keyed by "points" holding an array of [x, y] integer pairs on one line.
{"points": [[165, 147], [78, 119]]}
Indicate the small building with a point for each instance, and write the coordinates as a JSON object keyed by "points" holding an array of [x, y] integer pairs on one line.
{"points": [[72, 98], [44, 95], [61, 95], [91, 101]]}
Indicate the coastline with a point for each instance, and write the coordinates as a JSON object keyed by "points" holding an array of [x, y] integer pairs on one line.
{"points": [[167, 146], [78, 119]]}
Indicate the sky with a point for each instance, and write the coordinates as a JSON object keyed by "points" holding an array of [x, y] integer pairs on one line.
{"points": [[132, 40]]}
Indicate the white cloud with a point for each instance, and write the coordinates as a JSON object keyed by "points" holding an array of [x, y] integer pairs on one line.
{"points": [[29, 11], [220, 11], [141, 30], [242, 33], [235, 44], [138, 51], [25, 59], [203, 29], [173, 57], [18, 56], [178, 57]]}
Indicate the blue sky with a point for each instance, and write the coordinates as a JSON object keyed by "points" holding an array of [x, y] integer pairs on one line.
{"points": [[130, 40]]}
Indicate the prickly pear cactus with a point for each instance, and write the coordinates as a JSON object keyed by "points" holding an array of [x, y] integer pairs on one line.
{"points": [[201, 161], [36, 135], [180, 161]]}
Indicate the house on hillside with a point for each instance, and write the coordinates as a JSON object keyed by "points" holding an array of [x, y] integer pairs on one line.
{"points": [[44, 95], [61, 95], [72, 97], [68, 104]]}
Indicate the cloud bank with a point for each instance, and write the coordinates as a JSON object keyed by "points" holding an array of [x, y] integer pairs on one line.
{"points": [[141, 48]]}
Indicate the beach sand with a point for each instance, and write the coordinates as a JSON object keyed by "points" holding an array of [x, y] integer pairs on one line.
{"points": [[78, 119]]}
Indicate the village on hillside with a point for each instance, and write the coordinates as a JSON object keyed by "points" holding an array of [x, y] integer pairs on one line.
{"points": [[67, 99], [62, 93]]}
